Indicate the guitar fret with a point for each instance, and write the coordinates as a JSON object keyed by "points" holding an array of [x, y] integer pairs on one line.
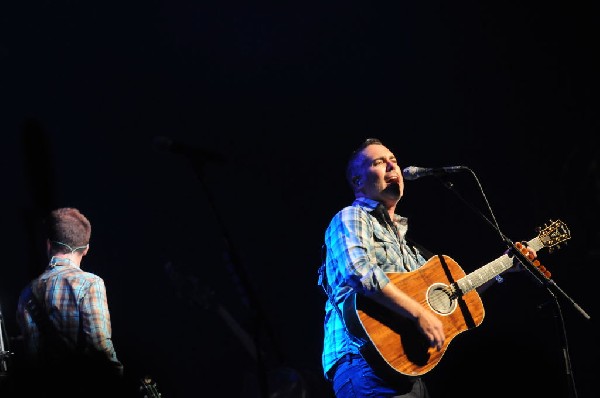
{"points": [[484, 274]]}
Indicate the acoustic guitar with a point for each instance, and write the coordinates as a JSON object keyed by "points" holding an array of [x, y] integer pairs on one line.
{"points": [[394, 344]]}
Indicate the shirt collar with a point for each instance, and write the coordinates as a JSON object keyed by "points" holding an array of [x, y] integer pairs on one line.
{"points": [[368, 204], [61, 261], [378, 209]]}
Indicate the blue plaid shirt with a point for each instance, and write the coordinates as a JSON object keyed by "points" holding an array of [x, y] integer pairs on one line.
{"points": [[76, 304], [361, 247]]}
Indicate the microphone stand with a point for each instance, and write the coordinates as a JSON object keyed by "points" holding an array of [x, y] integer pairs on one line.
{"points": [[538, 275], [242, 281]]}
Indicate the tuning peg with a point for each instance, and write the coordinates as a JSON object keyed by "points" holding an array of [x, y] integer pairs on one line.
{"points": [[545, 271], [547, 274]]}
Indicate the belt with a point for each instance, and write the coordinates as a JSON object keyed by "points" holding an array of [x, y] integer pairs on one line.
{"points": [[345, 358]]}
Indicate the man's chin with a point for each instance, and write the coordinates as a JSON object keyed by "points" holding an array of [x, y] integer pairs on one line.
{"points": [[391, 193], [393, 189]]}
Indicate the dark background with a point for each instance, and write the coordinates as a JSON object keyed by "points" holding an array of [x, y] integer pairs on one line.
{"points": [[284, 92]]}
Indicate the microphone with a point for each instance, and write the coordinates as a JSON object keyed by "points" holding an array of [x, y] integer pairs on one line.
{"points": [[413, 172], [167, 144]]}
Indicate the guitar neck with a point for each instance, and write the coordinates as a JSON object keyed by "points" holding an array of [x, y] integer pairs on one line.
{"points": [[482, 275], [492, 269]]}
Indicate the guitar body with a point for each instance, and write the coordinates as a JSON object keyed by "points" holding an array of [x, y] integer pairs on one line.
{"points": [[394, 344]]}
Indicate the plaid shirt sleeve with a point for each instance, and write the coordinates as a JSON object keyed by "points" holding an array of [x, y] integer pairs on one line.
{"points": [[96, 320], [355, 252]]}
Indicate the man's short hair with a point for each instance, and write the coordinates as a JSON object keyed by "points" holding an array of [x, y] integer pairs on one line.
{"points": [[352, 166], [69, 227]]}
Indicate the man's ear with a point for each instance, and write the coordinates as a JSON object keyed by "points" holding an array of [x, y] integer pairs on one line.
{"points": [[356, 180], [85, 251]]}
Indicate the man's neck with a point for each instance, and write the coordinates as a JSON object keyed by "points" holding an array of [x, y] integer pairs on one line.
{"points": [[390, 207], [71, 259]]}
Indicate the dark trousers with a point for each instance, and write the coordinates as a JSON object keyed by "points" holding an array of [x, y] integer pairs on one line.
{"points": [[354, 378], [75, 379]]}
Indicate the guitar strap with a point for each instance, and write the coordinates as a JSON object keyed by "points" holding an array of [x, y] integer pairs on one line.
{"points": [[46, 327], [327, 289], [384, 218], [427, 254], [41, 319], [323, 277]]}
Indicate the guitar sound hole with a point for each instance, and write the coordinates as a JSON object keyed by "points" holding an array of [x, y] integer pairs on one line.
{"points": [[439, 298]]}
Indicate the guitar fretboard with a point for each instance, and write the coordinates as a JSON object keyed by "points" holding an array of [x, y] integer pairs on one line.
{"points": [[484, 274]]}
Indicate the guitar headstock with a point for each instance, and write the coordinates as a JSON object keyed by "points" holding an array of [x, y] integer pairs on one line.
{"points": [[536, 263], [148, 388], [553, 234]]}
